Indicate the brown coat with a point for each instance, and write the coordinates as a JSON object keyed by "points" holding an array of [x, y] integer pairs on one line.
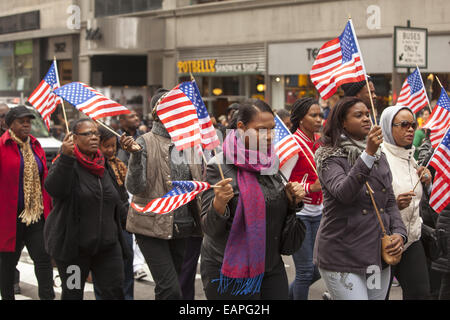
{"points": [[155, 158]]}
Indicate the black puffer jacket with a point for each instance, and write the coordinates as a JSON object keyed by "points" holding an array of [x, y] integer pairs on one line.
{"points": [[442, 264]]}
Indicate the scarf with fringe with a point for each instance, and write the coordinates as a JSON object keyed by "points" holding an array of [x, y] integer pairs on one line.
{"points": [[33, 200]]}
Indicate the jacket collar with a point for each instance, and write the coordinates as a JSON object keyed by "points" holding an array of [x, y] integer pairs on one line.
{"points": [[302, 135], [399, 152]]}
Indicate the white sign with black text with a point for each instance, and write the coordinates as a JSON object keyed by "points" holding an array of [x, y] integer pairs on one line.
{"points": [[410, 47]]}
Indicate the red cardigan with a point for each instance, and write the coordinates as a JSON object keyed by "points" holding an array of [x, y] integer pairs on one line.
{"points": [[303, 167], [9, 188]]}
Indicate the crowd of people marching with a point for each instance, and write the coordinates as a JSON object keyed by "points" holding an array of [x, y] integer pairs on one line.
{"points": [[359, 174]]}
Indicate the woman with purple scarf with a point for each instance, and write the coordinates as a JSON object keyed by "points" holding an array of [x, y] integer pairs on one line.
{"points": [[243, 215]]}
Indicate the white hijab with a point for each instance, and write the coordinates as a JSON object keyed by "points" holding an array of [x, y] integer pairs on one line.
{"points": [[386, 120]]}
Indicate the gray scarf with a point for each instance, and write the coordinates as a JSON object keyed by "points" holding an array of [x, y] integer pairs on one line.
{"points": [[348, 148]]}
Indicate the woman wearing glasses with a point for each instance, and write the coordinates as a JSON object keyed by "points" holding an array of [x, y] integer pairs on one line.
{"points": [[398, 125], [83, 231]]}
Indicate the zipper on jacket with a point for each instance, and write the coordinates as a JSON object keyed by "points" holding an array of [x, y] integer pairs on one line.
{"points": [[100, 215]]}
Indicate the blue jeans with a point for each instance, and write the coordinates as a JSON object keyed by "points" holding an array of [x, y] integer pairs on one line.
{"points": [[306, 273]]}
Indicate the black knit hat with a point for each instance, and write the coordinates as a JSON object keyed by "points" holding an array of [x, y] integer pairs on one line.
{"points": [[158, 94], [17, 113], [352, 89]]}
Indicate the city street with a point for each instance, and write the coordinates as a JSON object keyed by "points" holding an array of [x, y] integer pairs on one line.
{"points": [[144, 289]]}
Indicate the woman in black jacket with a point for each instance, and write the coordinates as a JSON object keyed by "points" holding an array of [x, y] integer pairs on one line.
{"points": [[243, 216], [83, 231]]}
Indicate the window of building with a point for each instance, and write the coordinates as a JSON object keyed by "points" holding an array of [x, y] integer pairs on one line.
{"points": [[105, 8]]}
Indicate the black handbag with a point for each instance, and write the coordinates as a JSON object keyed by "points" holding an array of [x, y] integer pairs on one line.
{"points": [[434, 242], [292, 235]]}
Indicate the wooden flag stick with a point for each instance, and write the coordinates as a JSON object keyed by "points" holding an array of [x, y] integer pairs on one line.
{"points": [[218, 164], [439, 81], [371, 102], [420, 178], [106, 127], [62, 100]]}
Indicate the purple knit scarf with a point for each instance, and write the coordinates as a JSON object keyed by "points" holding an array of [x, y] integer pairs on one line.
{"points": [[244, 259]]}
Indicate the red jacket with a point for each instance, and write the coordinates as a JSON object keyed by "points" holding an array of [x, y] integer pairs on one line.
{"points": [[303, 167], [9, 188]]}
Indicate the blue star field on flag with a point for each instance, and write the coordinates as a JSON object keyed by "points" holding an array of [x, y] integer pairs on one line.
{"points": [[348, 44], [75, 93], [180, 187], [415, 81]]}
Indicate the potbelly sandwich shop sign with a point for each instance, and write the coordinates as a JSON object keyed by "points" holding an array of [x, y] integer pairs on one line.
{"points": [[213, 66]]}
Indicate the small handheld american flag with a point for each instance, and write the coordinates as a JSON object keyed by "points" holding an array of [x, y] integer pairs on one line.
{"points": [[339, 61], [440, 194], [43, 97], [413, 94], [182, 193], [89, 101], [439, 119], [285, 145], [179, 115]]}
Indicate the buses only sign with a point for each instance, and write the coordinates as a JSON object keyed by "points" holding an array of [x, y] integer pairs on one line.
{"points": [[410, 47]]}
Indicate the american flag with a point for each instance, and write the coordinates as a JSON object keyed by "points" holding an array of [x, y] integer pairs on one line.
{"points": [[182, 193], [439, 119], [413, 94], [179, 115], [43, 98], [440, 194], [285, 145], [339, 61], [89, 101], [207, 130]]}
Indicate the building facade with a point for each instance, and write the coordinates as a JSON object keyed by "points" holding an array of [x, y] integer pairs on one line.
{"points": [[234, 49]]}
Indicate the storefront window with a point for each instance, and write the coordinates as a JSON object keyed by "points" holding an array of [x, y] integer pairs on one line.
{"points": [[6, 66], [23, 61]]}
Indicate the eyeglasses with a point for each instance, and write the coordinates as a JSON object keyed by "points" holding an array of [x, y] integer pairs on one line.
{"points": [[406, 124], [89, 134]]}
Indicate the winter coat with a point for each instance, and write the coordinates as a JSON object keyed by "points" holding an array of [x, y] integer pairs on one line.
{"points": [[86, 214], [442, 264], [349, 236], [9, 183], [404, 173], [148, 177]]}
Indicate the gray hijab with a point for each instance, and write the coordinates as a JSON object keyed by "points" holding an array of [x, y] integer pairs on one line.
{"points": [[386, 120]]}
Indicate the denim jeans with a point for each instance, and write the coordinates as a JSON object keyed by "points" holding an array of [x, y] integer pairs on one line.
{"points": [[306, 273], [351, 286]]}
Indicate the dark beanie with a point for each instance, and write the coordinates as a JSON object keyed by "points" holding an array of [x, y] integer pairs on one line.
{"points": [[158, 94], [353, 88]]}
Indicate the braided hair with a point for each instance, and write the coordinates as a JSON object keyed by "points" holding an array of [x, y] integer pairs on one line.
{"points": [[300, 109]]}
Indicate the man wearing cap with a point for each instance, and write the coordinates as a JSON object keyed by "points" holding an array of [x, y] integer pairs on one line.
{"points": [[24, 203], [359, 90]]}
